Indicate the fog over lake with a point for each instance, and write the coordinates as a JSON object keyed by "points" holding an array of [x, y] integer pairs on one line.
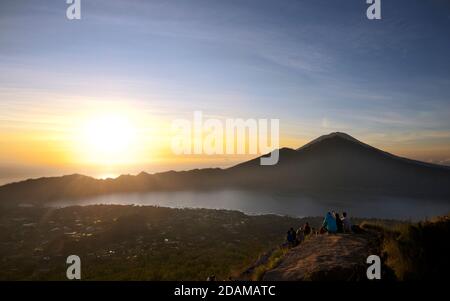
{"points": [[254, 203]]}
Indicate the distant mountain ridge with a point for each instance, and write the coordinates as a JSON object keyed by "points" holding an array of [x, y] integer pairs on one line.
{"points": [[331, 163]]}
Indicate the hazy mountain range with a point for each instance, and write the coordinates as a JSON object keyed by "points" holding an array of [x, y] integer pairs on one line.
{"points": [[331, 163]]}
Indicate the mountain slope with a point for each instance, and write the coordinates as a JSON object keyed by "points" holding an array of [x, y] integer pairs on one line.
{"points": [[332, 163]]}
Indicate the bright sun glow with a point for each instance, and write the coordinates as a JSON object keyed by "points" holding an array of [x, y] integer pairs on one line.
{"points": [[109, 139]]}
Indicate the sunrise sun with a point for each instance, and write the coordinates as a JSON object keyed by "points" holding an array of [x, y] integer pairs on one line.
{"points": [[108, 139]]}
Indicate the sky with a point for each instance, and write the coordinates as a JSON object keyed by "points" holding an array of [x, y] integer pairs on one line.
{"points": [[317, 66]]}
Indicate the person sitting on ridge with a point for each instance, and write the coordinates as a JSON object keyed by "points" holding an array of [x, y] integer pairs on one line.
{"points": [[339, 224], [346, 222], [300, 235], [306, 229], [291, 237], [329, 223], [294, 237]]}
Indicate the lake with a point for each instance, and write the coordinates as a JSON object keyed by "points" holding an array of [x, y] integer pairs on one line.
{"points": [[254, 203]]}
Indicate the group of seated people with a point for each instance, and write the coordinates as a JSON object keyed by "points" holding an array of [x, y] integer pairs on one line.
{"points": [[332, 223], [295, 237]]}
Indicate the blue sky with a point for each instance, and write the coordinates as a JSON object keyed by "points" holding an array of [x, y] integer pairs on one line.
{"points": [[319, 66]]}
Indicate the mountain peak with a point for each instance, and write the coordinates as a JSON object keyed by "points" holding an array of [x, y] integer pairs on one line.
{"points": [[340, 135]]}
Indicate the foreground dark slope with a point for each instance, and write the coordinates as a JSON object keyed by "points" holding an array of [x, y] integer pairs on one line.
{"points": [[331, 163]]}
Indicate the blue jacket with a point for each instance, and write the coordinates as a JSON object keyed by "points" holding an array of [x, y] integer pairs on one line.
{"points": [[330, 223]]}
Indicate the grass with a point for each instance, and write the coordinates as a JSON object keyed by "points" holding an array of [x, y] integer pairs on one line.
{"points": [[271, 263], [416, 251]]}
